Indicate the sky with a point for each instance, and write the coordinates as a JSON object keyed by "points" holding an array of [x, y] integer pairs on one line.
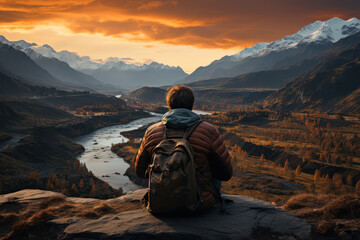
{"points": [[185, 33]]}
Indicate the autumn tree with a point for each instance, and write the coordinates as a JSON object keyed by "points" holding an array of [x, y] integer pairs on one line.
{"points": [[298, 170], [337, 180], [93, 190], [35, 177], [286, 167], [357, 187], [92, 182], [74, 189], [81, 184], [316, 177], [262, 158], [50, 185]]}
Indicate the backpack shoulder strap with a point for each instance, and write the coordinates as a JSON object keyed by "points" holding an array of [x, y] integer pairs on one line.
{"points": [[190, 130]]}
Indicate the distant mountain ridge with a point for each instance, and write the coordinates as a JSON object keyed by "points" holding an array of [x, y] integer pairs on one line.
{"points": [[17, 63], [277, 78], [307, 42], [113, 71], [62, 71]]}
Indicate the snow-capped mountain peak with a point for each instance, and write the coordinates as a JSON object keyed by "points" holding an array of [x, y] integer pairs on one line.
{"points": [[331, 30], [250, 51]]}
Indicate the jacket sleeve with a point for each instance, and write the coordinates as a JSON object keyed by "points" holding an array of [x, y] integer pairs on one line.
{"points": [[142, 159], [219, 159]]}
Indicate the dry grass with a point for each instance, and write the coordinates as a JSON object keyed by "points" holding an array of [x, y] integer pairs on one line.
{"points": [[327, 213], [51, 208], [88, 213], [8, 218], [51, 201], [346, 207], [38, 218], [307, 200], [103, 209]]}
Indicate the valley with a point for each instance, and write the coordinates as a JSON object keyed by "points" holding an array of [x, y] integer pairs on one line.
{"points": [[288, 110]]}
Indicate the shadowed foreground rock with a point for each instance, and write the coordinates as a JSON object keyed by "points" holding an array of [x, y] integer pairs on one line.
{"points": [[248, 219]]}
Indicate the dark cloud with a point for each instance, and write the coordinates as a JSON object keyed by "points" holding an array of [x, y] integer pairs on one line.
{"points": [[201, 23]]}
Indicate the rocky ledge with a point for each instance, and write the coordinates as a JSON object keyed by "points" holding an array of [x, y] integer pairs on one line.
{"points": [[247, 218]]}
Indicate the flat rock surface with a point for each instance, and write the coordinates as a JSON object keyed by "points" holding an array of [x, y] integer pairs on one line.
{"points": [[248, 218], [28, 195]]}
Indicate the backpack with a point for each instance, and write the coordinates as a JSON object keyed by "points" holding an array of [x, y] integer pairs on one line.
{"points": [[173, 178]]}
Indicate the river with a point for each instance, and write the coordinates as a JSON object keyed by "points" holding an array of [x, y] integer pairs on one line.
{"points": [[16, 137], [105, 164]]}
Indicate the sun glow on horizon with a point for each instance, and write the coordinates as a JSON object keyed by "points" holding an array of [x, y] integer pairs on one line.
{"points": [[99, 47], [177, 33]]}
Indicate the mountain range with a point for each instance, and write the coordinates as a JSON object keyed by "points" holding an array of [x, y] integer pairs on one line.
{"points": [[290, 50], [73, 69], [327, 81], [306, 70]]}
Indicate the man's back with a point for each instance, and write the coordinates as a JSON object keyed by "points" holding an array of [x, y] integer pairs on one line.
{"points": [[210, 154]]}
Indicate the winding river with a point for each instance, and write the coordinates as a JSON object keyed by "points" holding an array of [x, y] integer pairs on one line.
{"points": [[105, 164]]}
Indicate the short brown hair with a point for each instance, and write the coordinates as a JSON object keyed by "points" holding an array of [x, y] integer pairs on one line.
{"points": [[180, 96]]}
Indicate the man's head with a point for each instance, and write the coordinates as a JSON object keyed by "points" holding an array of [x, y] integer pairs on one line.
{"points": [[180, 96]]}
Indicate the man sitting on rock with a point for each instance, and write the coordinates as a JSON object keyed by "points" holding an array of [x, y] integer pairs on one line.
{"points": [[211, 159]]}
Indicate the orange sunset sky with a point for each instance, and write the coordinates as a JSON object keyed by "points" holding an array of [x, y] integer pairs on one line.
{"points": [[185, 33]]}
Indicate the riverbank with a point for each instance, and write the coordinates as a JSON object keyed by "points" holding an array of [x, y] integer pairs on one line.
{"points": [[99, 158], [46, 159], [128, 152]]}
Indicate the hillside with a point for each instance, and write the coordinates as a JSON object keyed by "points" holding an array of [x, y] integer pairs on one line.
{"points": [[19, 64], [73, 101], [11, 86], [204, 97], [330, 86], [271, 79], [62, 71], [149, 95]]}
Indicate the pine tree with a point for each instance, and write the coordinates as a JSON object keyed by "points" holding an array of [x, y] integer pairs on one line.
{"points": [[35, 177]]}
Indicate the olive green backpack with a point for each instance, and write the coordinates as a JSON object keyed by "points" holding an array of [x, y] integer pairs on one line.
{"points": [[173, 181]]}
